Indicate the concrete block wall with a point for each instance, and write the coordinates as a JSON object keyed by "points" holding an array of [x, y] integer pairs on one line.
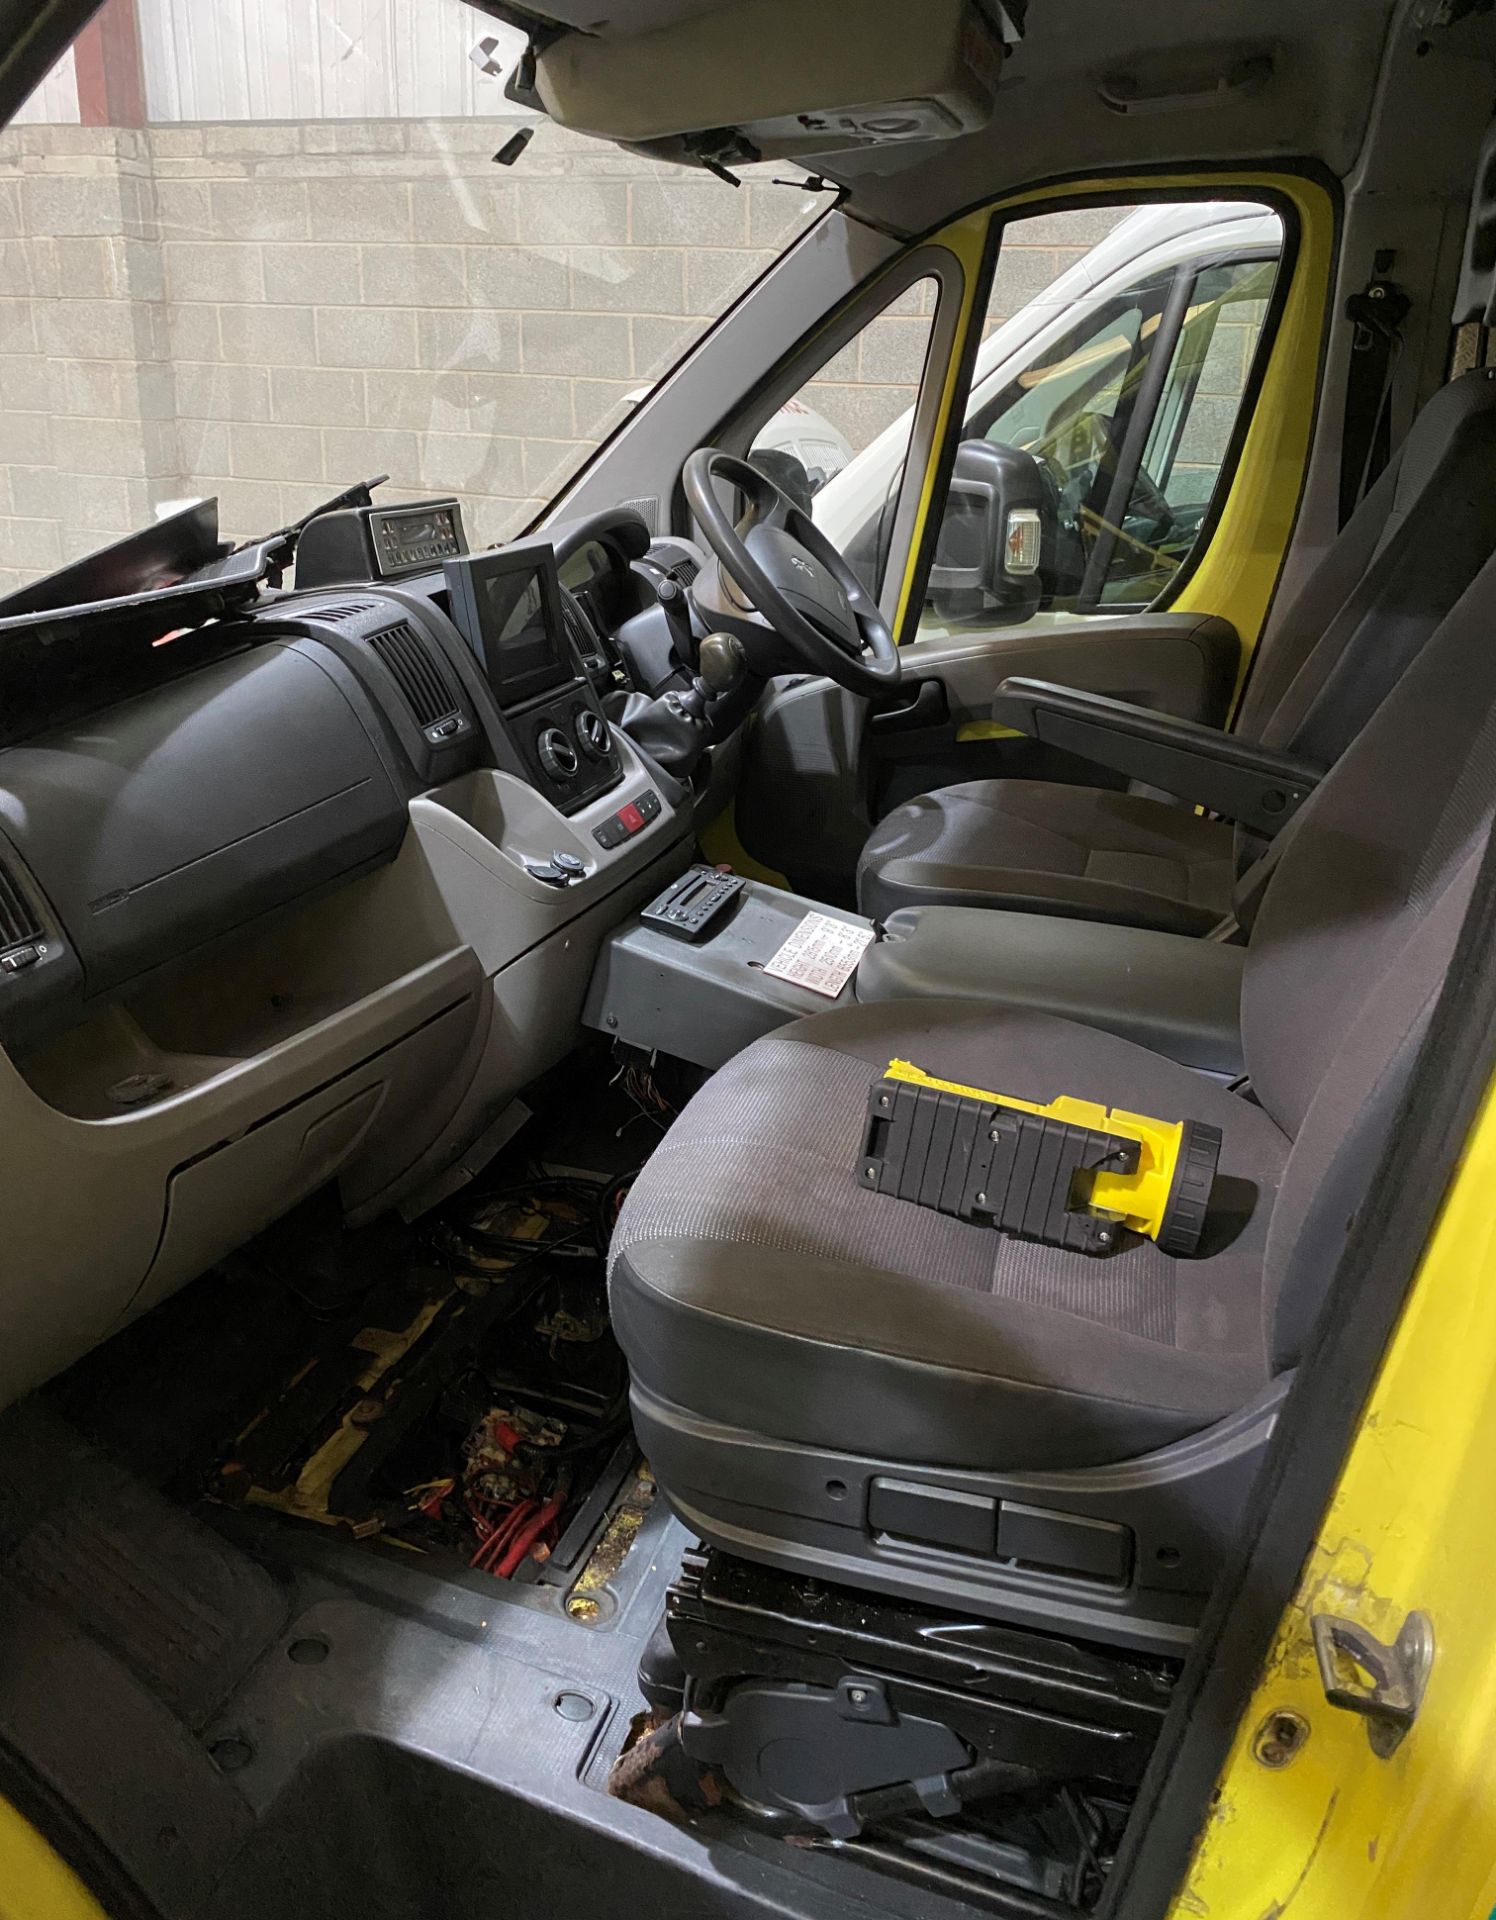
{"points": [[267, 311]]}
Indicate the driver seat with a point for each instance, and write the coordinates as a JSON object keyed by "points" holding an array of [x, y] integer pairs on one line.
{"points": [[1405, 556], [840, 1383]]}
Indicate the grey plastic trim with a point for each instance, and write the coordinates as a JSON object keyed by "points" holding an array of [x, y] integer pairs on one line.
{"points": [[802, 1509], [706, 1000], [1231, 776]]}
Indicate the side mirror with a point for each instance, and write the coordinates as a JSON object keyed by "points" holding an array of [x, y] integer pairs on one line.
{"points": [[997, 536]]}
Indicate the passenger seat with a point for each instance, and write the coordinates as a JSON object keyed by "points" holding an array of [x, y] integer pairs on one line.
{"points": [[1402, 561]]}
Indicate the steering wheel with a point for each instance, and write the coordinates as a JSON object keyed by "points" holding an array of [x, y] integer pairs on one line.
{"points": [[792, 575], [1147, 502]]}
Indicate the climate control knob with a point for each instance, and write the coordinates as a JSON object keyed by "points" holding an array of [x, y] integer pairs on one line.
{"points": [[592, 734], [557, 755]]}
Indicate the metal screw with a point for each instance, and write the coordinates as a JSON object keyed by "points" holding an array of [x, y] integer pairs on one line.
{"points": [[981, 1199], [612, 1020], [882, 1099], [1279, 1738], [994, 1135], [857, 1695], [872, 1173]]}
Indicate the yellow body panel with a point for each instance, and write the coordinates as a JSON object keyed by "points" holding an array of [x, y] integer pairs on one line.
{"points": [[34, 1883], [720, 844], [1339, 1834], [1141, 1199]]}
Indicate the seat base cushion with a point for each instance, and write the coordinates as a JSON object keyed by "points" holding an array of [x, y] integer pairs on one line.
{"points": [[756, 1281], [1037, 846]]}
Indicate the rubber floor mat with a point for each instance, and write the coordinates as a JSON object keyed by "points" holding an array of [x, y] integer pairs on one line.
{"points": [[186, 1612]]}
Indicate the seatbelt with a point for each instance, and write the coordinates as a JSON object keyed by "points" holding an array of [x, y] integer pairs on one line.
{"points": [[1377, 313]]}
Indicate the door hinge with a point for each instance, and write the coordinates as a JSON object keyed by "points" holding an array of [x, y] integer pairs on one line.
{"points": [[1384, 1684]]}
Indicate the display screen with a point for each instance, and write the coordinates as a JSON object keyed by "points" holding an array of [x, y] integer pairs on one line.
{"points": [[509, 610]]}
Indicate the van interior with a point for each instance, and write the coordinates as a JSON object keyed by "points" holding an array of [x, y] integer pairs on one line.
{"points": [[665, 1183]]}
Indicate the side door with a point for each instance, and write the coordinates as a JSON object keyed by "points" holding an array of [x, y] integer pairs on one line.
{"points": [[1089, 473]]}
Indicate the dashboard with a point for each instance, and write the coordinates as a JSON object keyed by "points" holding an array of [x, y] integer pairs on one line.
{"points": [[285, 755], [301, 880]]}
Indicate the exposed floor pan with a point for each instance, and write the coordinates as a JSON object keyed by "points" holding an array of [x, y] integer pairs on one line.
{"points": [[350, 1551]]}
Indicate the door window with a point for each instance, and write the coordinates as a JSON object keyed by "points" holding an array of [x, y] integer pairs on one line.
{"points": [[1103, 410]]}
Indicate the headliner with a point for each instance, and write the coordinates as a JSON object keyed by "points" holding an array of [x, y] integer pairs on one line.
{"points": [[1050, 121]]}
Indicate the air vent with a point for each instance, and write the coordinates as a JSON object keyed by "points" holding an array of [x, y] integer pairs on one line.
{"points": [[685, 571], [19, 925], [337, 615], [577, 625], [406, 660]]}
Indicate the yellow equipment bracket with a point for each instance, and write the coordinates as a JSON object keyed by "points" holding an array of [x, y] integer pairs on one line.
{"points": [[1141, 1200]]}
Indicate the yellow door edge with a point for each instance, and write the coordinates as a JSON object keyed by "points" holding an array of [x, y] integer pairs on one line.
{"points": [[1335, 1832], [36, 1883]]}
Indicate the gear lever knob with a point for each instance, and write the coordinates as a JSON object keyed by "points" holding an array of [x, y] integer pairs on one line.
{"points": [[721, 662]]}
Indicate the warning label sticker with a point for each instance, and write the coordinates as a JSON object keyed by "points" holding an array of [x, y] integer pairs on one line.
{"points": [[821, 954]]}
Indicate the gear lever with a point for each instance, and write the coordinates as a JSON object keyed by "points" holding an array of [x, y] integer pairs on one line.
{"points": [[721, 663]]}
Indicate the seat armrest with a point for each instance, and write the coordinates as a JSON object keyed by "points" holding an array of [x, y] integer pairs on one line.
{"points": [[1178, 995], [1229, 776]]}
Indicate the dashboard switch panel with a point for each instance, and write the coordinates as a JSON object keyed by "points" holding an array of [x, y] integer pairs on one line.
{"points": [[630, 819]]}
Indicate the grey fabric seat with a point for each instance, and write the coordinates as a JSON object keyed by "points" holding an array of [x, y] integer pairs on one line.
{"points": [[1036, 846], [849, 1320], [1402, 561], [789, 1332]]}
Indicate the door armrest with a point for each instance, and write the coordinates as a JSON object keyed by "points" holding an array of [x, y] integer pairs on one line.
{"points": [[1229, 776]]}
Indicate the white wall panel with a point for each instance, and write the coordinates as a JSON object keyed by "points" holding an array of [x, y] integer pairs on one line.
{"points": [[314, 59], [56, 99]]}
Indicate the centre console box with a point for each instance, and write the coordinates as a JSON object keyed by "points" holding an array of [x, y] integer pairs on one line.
{"points": [[705, 999]]}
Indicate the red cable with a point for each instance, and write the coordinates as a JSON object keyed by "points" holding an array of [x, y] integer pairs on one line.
{"points": [[523, 1540], [500, 1533], [499, 1539]]}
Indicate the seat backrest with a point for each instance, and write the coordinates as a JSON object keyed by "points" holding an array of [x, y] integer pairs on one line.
{"points": [[1354, 936], [1402, 561]]}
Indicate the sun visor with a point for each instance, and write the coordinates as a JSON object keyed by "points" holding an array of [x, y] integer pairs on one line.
{"points": [[775, 79], [1476, 298]]}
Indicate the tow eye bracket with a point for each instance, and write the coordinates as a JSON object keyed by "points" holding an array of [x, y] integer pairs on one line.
{"points": [[1397, 1675]]}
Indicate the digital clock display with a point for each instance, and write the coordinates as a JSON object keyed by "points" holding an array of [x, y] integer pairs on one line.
{"points": [[407, 538]]}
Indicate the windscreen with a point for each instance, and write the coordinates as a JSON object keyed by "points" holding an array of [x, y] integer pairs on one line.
{"points": [[258, 252]]}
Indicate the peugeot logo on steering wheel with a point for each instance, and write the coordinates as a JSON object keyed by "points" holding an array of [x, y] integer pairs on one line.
{"points": [[803, 565]]}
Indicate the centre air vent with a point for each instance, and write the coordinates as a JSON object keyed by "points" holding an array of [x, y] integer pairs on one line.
{"points": [[19, 924], [407, 660]]}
